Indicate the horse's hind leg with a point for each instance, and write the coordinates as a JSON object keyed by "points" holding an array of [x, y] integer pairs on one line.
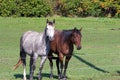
{"points": [[23, 58], [24, 72], [43, 59], [33, 59]]}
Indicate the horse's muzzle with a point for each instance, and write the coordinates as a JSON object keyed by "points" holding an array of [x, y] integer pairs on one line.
{"points": [[51, 38], [79, 47]]}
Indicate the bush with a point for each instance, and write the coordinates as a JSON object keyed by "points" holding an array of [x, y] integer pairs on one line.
{"points": [[25, 8], [70, 8], [7, 7]]}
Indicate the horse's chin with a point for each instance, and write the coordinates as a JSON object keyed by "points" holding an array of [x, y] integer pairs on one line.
{"points": [[78, 48]]}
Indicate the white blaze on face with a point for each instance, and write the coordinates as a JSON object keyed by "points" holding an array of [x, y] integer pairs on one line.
{"points": [[50, 31]]}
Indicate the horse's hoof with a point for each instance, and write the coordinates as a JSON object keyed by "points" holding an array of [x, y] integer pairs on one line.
{"points": [[59, 77], [31, 79], [39, 78], [64, 78], [51, 76], [25, 78]]}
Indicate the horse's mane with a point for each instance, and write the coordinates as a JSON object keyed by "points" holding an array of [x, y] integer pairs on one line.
{"points": [[67, 32]]}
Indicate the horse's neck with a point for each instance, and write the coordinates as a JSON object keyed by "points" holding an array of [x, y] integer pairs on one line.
{"points": [[44, 38], [67, 36]]}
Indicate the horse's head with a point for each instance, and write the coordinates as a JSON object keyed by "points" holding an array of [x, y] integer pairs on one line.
{"points": [[76, 38], [50, 29]]}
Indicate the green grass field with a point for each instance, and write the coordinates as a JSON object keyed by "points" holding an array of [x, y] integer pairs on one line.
{"points": [[99, 55]]}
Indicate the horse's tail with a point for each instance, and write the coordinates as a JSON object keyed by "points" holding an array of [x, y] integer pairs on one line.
{"points": [[22, 59], [18, 64]]}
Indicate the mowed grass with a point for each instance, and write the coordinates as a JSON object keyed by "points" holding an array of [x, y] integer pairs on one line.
{"points": [[99, 58]]}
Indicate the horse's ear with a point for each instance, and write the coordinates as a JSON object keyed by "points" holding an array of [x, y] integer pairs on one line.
{"points": [[75, 29], [47, 21], [53, 20], [81, 29]]}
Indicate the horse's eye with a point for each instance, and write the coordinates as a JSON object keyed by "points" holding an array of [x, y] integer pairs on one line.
{"points": [[75, 40]]}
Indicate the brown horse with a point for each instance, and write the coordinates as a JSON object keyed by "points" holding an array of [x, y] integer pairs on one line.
{"points": [[63, 45]]}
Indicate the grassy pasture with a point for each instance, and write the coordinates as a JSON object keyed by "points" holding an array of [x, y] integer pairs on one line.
{"points": [[99, 58]]}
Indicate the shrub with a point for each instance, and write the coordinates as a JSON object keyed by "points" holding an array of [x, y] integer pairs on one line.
{"points": [[71, 8], [7, 7], [25, 8]]}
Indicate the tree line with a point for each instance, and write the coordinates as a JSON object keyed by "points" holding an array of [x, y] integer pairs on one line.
{"points": [[67, 8]]}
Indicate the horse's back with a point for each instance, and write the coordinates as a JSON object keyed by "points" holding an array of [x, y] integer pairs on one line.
{"points": [[29, 34]]}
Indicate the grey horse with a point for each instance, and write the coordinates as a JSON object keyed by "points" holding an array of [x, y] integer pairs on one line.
{"points": [[35, 44]]}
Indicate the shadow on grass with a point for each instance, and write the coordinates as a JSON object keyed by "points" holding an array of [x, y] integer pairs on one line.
{"points": [[118, 72], [90, 64], [35, 77]]}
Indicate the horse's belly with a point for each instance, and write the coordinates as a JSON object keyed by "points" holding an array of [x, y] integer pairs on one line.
{"points": [[41, 48], [42, 51], [28, 49]]}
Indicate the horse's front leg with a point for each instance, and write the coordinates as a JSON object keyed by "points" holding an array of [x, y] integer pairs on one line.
{"points": [[51, 64], [66, 65], [61, 57], [43, 59], [33, 59], [58, 69]]}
